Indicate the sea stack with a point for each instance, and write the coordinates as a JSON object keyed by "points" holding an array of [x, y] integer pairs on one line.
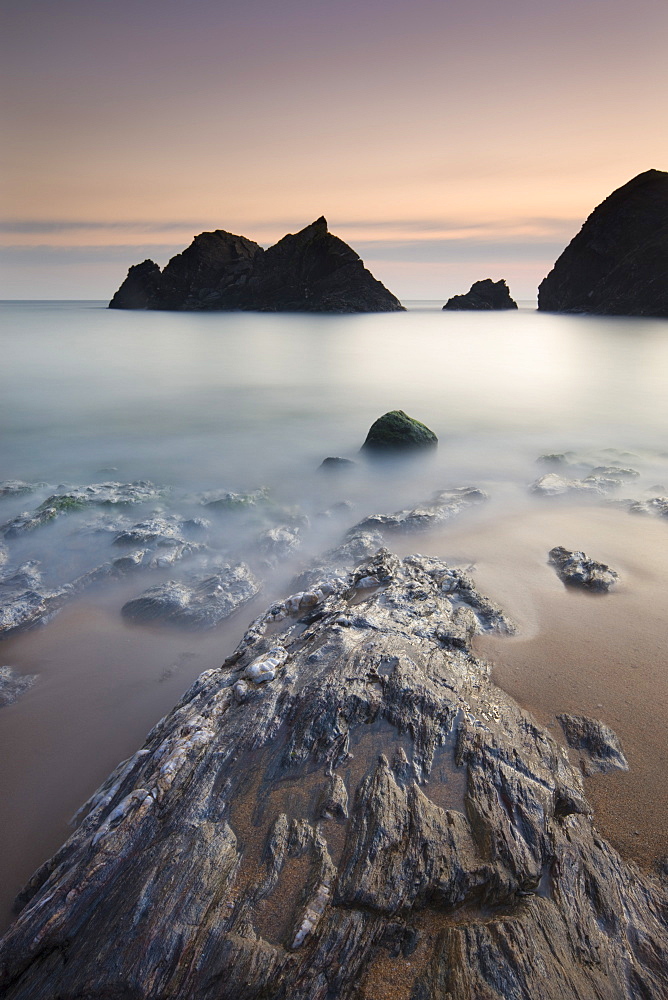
{"points": [[617, 265], [397, 432], [312, 271], [485, 295]]}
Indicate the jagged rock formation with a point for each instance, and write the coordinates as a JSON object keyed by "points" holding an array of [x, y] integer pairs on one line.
{"points": [[397, 432], [483, 295], [311, 271], [13, 685], [576, 570], [347, 808], [617, 264]]}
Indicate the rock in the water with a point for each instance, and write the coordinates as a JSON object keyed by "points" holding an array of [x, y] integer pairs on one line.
{"points": [[79, 498], [24, 601], [13, 685], [334, 464], [483, 295], [442, 506], [202, 603], [311, 271], [577, 570], [397, 432], [15, 488], [618, 262], [139, 289], [554, 485], [599, 746], [376, 814]]}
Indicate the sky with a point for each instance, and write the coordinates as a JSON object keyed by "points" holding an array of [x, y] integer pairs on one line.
{"points": [[445, 141]]}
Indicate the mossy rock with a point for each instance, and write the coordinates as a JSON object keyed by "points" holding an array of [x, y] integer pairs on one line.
{"points": [[396, 431]]}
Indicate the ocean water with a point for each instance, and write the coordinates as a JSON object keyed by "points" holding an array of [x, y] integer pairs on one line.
{"points": [[235, 402]]}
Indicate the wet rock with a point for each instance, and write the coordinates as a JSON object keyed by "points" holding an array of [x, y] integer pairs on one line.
{"points": [[311, 271], [444, 505], [397, 432], [25, 601], [616, 265], [655, 506], [576, 569], [483, 295], [469, 851], [13, 685], [599, 746], [80, 498], [334, 464], [553, 485], [203, 602], [235, 501], [15, 488]]}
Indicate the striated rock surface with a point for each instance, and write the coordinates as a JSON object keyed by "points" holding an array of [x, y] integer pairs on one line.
{"points": [[577, 570], [599, 746], [395, 432], [13, 685], [483, 295], [310, 271], [618, 263], [347, 808]]}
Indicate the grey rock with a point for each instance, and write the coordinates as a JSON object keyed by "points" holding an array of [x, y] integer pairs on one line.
{"points": [[396, 432], [25, 601], [13, 685], [205, 866], [79, 498], [553, 485], [235, 501], [656, 506], [483, 295], [202, 603], [335, 464], [576, 569], [444, 505], [600, 748], [15, 488]]}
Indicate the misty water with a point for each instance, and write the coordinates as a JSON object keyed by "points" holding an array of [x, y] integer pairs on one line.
{"points": [[203, 404]]}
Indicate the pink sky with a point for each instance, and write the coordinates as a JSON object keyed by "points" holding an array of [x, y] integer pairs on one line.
{"points": [[445, 141]]}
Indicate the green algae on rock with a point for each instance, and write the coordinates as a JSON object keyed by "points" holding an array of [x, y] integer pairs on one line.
{"points": [[396, 431]]}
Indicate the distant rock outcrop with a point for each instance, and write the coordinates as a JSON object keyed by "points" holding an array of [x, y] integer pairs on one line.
{"points": [[311, 271], [617, 264], [397, 432], [485, 295]]}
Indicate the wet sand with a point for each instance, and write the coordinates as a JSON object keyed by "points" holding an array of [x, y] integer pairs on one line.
{"points": [[602, 655]]}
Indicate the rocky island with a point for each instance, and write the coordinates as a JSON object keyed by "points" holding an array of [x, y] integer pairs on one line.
{"points": [[311, 271], [485, 295], [617, 265]]}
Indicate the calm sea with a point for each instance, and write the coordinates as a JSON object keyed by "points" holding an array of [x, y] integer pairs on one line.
{"points": [[235, 402]]}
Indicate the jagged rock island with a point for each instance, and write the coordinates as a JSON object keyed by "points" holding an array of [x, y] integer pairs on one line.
{"points": [[347, 809], [311, 271], [617, 265], [483, 295]]}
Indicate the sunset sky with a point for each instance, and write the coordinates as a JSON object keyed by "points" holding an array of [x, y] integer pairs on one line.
{"points": [[445, 141]]}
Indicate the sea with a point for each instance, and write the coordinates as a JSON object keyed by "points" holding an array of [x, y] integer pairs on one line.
{"points": [[205, 404]]}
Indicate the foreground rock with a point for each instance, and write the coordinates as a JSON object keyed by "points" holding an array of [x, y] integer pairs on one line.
{"points": [[348, 808], [483, 295], [203, 602], [80, 498], [598, 745], [311, 271], [13, 685], [397, 432], [618, 262], [577, 570]]}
